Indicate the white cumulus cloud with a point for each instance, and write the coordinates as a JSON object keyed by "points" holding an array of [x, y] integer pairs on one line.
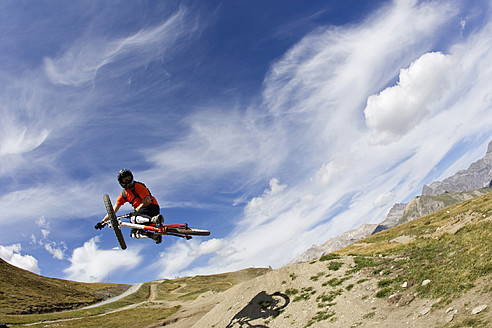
{"points": [[397, 109], [12, 254], [89, 263], [209, 246]]}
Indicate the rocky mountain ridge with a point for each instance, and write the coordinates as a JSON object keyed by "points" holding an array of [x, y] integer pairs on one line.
{"points": [[464, 185], [477, 176]]}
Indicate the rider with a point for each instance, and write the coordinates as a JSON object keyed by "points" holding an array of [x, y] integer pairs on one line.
{"points": [[146, 208]]}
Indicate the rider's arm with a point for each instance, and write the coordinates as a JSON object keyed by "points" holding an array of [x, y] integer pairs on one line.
{"points": [[116, 207], [145, 202]]}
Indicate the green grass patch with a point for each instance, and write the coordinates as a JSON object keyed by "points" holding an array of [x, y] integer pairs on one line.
{"points": [[335, 266], [329, 257], [385, 292], [316, 277], [336, 282], [320, 316], [325, 300], [362, 262], [385, 283], [473, 322], [369, 315], [291, 292], [305, 294]]}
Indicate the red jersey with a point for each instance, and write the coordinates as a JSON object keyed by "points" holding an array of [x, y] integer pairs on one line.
{"points": [[141, 192]]}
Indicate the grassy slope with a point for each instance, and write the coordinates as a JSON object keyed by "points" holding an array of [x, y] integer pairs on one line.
{"points": [[23, 292], [453, 246], [137, 310]]}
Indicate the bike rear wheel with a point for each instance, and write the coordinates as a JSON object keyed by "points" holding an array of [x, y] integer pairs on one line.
{"points": [[114, 221], [189, 231]]}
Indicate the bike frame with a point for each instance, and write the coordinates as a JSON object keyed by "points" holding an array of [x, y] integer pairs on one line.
{"points": [[156, 228]]}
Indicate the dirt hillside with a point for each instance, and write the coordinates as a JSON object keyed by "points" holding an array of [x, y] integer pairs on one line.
{"points": [[317, 297], [431, 272]]}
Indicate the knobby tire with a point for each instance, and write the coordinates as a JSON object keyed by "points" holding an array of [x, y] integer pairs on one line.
{"points": [[114, 221]]}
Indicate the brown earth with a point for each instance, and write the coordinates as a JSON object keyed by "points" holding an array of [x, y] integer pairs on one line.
{"points": [[256, 303]]}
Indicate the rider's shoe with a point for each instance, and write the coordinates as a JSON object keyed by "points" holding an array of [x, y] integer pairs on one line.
{"points": [[157, 238], [158, 219]]}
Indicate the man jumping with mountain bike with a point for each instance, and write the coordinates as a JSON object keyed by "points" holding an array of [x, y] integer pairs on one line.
{"points": [[146, 208]]}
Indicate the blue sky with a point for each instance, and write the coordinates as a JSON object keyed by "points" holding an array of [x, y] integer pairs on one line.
{"points": [[274, 124]]}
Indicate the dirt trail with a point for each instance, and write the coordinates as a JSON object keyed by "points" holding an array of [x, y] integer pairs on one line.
{"points": [[133, 289], [153, 292]]}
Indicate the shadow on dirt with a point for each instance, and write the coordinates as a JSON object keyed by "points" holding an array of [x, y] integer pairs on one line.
{"points": [[262, 306]]}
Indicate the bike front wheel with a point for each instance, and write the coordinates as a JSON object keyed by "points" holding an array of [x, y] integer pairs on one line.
{"points": [[114, 221]]}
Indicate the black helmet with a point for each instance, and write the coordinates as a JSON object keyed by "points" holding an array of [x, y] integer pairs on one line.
{"points": [[125, 178]]}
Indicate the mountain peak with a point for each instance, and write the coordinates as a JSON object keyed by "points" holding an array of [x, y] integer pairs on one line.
{"points": [[478, 175]]}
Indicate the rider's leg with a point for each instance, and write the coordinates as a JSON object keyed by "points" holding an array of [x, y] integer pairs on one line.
{"points": [[138, 234], [144, 219], [153, 212], [140, 219], [146, 215], [158, 219], [142, 234]]}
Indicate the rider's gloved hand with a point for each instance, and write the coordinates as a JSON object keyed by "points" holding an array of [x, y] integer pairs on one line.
{"points": [[100, 225]]}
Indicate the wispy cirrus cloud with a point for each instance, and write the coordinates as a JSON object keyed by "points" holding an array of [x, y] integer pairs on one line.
{"points": [[56, 249], [80, 64], [40, 106], [339, 166]]}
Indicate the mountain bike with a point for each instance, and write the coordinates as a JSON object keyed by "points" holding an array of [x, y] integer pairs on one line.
{"points": [[177, 230]]}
